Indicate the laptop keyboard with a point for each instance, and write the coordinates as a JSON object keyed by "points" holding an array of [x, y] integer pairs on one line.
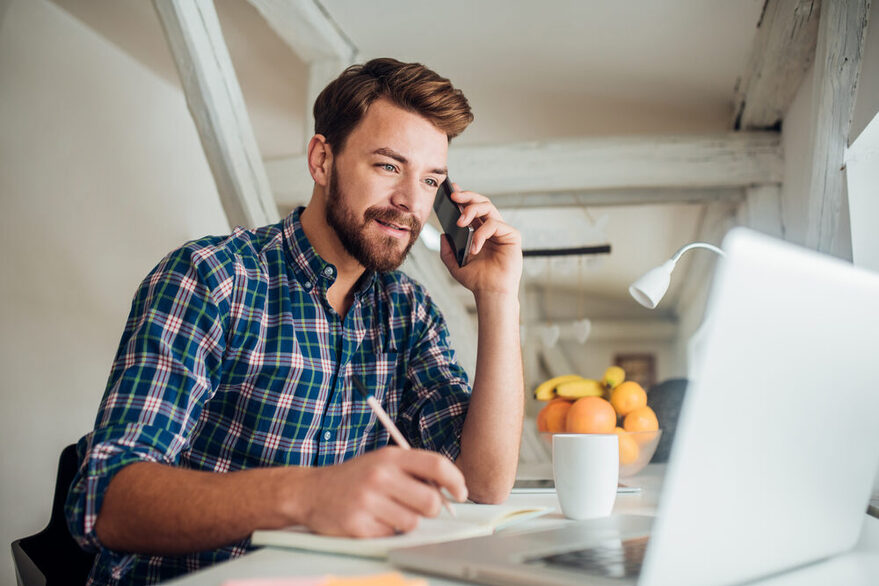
{"points": [[615, 559]]}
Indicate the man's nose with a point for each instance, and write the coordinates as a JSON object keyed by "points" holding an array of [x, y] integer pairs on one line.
{"points": [[406, 194]]}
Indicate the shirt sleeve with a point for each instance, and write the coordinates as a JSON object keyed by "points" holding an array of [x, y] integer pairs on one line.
{"points": [[168, 363], [437, 391]]}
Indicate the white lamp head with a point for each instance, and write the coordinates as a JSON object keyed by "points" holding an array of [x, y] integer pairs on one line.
{"points": [[649, 289]]}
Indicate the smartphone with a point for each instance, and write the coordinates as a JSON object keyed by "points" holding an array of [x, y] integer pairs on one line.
{"points": [[448, 212]]}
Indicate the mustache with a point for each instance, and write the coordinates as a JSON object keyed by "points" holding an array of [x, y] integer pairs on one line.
{"points": [[392, 216]]}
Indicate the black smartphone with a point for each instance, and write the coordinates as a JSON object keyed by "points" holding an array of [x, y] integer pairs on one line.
{"points": [[448, 213]]}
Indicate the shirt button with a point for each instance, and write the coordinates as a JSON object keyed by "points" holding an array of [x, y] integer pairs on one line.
{"points": [[307, 285], [327, 435], [328, 271]]}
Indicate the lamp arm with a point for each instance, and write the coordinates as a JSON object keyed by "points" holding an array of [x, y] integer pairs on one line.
{"points": [[687, 247]]}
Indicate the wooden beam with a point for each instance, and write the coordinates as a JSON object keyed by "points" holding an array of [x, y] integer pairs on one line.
{"points": [[316, 38], [730, 160], [725, 160], [634, 330], [841, 36], [619, 197], [761, 210], [781, 54], [307, 29], [606, 330], [217, 107]]}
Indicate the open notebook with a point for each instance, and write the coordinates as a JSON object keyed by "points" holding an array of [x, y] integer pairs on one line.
{"points": [[472, 521]]}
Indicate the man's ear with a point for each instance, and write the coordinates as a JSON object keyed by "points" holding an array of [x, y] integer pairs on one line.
{"points": [[320, 159]]}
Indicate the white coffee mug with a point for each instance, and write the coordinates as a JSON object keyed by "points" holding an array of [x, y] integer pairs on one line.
{"points": [[586, 468]]}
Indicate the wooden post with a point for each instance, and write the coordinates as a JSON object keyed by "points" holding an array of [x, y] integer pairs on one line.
{"points": [[217, 107], [781, 55], [841, 35], [761, 209]]}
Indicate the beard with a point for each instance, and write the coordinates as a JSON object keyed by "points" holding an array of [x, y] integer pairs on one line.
{"points": [[377, 253]]}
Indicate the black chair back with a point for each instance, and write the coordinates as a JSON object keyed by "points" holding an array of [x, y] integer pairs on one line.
{"points": [[52, 556]]}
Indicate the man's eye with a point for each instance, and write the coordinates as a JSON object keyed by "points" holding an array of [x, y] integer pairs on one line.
{"points": [[388, 167], [432, 182]]}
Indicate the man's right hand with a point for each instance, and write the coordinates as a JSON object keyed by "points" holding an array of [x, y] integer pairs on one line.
{"points": [[156, 508], [379, 493]]}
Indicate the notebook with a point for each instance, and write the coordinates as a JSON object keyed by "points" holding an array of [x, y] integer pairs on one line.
{"points": [[774, 454], [471, 520]]}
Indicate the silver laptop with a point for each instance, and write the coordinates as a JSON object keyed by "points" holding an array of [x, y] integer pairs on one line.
{"points": [[775, 451]]}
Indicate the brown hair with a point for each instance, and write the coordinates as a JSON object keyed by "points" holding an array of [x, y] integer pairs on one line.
{"points": [[411, 86]]}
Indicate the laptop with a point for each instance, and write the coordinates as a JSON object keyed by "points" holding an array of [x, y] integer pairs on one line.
{"points": [[775, 451]]}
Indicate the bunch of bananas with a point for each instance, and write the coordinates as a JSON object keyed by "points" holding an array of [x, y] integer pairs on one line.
{"points": [[574, 386]]}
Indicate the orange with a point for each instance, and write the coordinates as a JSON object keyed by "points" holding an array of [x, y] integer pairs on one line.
{"points": [[641, 419], [591, 415], [628, 447], [628, 396], [552, 417]]}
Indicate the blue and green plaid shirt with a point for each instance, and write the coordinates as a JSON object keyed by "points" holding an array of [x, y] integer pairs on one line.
{"points": [[233, 358]]}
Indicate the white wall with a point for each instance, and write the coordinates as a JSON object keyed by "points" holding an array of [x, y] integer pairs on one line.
{"points": [[101, 174]]}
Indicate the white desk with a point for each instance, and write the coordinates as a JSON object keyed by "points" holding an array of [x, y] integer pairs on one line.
{"points": [[860, 567]]}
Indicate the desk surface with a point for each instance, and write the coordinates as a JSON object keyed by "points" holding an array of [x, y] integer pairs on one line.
{"points": [[859, 567]]}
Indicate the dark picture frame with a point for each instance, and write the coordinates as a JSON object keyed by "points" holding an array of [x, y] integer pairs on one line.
{"points": [[639, 367]]}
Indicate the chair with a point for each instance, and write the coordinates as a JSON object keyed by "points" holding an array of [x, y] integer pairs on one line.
{"points": [[52, 556], [666, 399]]}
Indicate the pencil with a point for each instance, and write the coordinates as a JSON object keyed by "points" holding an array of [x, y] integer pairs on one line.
{"points": [[382, 416]]}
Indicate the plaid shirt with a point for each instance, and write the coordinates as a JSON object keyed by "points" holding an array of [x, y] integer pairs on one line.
{"points": [[232, 358]]}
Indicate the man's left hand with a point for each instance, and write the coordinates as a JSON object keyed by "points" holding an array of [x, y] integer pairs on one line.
{"points": [[495, 264]]}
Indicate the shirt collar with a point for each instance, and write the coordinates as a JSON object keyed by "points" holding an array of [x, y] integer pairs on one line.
{"points": [[308, 266]]}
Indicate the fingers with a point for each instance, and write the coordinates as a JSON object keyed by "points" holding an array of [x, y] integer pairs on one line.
{"points": [[417, 497], [475, 206], [433, 467], [381, 493], [491, 225], [495, 230], [394, 517]]}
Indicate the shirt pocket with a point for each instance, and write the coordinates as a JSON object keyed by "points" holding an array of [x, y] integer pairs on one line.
{"points": [[378, 373]]}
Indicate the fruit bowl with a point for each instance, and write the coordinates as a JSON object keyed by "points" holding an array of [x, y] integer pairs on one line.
{"points": [[636, 449]]}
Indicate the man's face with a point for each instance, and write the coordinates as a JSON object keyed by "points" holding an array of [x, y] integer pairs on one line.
{"points": [[382, 185]]}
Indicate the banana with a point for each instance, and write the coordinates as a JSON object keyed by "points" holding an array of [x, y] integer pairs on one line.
{"points": [[613, 376], [580, 388], [546, 390]]}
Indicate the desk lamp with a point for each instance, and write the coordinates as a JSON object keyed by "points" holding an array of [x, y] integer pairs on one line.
{"points": [[649, 289]]}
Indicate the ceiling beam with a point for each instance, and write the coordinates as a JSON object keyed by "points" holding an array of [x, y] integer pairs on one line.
{"points": [[316, 39], [729, 160], [591, 164], [217, 107], [618, 197], [781, 54], [841, 38], [307, 29], [606, 330]]}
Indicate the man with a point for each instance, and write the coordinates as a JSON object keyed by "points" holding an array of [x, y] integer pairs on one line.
{"points": [[230, 406]]}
